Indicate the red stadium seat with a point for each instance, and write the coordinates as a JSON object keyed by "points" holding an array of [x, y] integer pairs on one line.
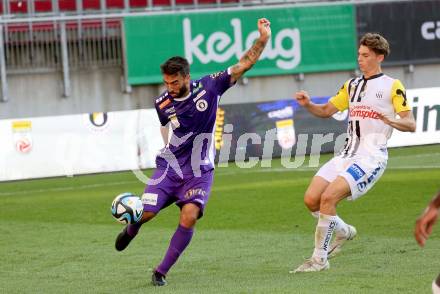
{"points": [[161, 3], [138, 3], [43, 6], [18, 7], [184, 2], [67, 5], [112, 4], [91, 5]]}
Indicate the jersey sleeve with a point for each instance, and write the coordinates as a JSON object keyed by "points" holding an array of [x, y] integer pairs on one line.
{"points": [[162, 117], [398, 97], [340, 100], [218, 82]]}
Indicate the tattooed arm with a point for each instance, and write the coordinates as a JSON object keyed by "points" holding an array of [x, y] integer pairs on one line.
{"points": [[252, 55]]}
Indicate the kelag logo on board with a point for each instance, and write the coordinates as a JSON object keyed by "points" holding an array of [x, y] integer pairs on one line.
{"points": [[219, 46], [304, 39]]}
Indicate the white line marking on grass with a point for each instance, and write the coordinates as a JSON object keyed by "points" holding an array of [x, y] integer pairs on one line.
{"points": [[218, 173], [70, 188]]}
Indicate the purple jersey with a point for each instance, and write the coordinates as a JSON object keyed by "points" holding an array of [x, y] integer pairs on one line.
{"points": [[191, 148]]}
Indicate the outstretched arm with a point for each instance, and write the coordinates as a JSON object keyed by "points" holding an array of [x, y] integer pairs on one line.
{"points": [[426, 221], [319, 110], [251, 56]]}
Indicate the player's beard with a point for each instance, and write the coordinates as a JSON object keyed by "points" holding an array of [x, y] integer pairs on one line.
{"points": [[182, 92]]}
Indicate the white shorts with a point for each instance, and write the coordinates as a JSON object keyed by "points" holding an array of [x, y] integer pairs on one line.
{"points": [[360, 172]]}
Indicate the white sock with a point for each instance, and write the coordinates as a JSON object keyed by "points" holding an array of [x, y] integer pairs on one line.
{"points": [[341, 228], [435, 288], [323, 235], [315, 214]]}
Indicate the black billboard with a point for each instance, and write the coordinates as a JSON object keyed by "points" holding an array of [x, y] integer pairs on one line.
{"points": [[412, 29], [272, 129]]}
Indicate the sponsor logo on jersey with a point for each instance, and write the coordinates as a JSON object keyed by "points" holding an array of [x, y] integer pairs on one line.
{"points": [[215, 75], [200, 95], [174, 121], [363, 111], [170, 110], [197, 88], [201, 105], [165, 103], [355, 171], [160, 98]]}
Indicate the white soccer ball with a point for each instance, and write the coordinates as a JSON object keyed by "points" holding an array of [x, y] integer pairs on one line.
{"points": [[127, 208]]}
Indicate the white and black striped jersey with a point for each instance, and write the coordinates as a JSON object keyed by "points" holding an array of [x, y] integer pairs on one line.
{"points": [[364, 98]]}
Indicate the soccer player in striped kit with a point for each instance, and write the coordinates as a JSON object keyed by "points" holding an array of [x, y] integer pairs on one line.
{"points": [[376, 105]]}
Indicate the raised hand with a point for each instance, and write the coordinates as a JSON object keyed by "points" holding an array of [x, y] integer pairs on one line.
{"points": [[264, 28], [302, 97]]}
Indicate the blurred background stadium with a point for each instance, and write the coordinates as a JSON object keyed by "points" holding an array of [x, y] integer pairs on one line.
{"points": [[78, 79]]}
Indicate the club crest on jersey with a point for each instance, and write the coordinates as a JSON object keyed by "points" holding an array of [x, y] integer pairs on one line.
{"points": [[201, 105], [379, 94]]}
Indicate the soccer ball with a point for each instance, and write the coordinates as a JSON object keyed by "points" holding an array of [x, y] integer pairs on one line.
{"points": [[127, 208]]}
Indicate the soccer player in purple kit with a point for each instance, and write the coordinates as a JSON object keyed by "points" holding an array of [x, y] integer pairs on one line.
{"points": [[185, 166]]}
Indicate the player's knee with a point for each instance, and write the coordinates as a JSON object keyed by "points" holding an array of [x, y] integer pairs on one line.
{"points": [[188, 220], [311, 201], [328, 199], [147, 215]]}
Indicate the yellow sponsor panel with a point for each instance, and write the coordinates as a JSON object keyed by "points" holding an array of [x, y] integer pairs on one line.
{"points": [[21, 125], [284, 123]]}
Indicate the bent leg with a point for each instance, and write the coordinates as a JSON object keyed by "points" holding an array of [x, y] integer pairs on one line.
{"points": [[312, 197], [328, 221]]}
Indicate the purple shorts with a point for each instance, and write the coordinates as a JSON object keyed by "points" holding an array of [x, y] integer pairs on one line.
{"points": [[171, 188]]}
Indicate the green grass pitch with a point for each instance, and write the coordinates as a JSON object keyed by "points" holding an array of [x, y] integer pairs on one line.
{"points": [[57, 235]]}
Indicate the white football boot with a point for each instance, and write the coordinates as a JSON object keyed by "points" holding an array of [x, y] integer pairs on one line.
{"points": [[339, 241], [312, 265]]}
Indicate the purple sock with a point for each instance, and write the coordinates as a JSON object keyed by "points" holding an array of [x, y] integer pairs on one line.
{"points": [[133, 229], [179, 241]]}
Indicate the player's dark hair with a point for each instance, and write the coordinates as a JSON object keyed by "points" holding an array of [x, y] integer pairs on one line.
{"points": [[175, 65], [376, 42]]}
